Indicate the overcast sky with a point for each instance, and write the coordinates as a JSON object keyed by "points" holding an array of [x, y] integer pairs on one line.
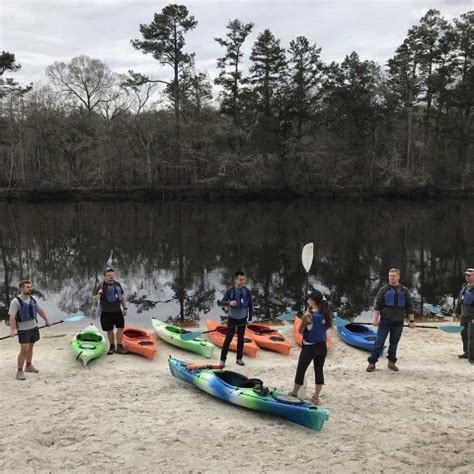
{"points": [[40, 32]]}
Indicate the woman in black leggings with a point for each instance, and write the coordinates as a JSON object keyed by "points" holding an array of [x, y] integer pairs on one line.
{"points": [[314, 326]]}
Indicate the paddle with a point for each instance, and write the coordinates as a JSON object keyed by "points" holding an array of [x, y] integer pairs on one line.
{"points": [[108, 264], [307, 261], [67, 320], [187, 336], [449, 328]]}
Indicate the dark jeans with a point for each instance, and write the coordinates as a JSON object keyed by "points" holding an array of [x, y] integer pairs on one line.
{"points": [[467, 336], [231, 323], [395, 330], [315, 353]]}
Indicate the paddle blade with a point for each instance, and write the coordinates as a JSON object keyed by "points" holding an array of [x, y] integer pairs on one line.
{"points": [[189, 336], [307, 256], [75, 317], [451, 329], [339, 322], [287, 316], [108, 264]]}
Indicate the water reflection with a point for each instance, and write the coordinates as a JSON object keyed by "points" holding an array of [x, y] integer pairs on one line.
{"points": [[177, 258]]}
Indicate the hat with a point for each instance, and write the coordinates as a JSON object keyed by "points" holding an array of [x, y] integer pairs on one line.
{"points": [[316, 296], [469, 271]]}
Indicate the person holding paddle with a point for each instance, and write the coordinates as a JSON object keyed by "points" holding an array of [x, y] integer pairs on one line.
{"points": [[465, 309], [114, 307], [392, 305], [23, 313], [313, 328], [239, 301]]}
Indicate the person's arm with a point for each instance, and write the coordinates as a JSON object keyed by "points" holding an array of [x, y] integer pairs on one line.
{"points": [[123, 300], [306, 320], [457, 309], [225, 301], [409, 309], [378, 306], [43, 314], [97, 294], [12, 324], [250, 306]]}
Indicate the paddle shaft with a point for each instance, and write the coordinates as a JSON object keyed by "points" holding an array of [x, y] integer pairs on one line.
{"points": [[405, 325], [39, 327]]}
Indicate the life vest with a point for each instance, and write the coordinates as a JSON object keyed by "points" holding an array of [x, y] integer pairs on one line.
{"points": [[395, 298], [318, 332], [111, 293], [467, 296], [27, 311], [243, 298]]}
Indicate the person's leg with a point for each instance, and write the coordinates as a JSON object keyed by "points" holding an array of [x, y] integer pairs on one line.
{"points": [[470, 341], [464, 338], [305, 358], [382, 333], [240, 338], [228, 339], [395, 335], [318, 362], [23, 354]]}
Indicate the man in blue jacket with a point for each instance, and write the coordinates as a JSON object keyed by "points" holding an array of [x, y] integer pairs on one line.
{"points": [[239, 301]]}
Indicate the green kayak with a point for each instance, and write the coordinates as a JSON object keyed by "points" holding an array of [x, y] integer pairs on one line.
{"points": [[88, 344], [172, 335]]}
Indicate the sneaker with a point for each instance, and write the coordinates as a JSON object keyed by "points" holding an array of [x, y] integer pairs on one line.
{"points": [[111, 349], [391, 365], [20, 375], [32, 368], [315, 400], [222, 363], [240, 362], [370, 368], [121, 349], [462, 356]]}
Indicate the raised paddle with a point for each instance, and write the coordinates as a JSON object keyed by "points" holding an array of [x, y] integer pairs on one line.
{"points": [[66, 320], [187, 336], [307, 261], [340, 322], [108, 264]]}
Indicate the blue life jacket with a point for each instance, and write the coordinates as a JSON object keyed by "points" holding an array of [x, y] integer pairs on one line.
{"points": [[111, 293], [395, 298], [242, 296], [318, 331], [27, 311], [467, 297]]}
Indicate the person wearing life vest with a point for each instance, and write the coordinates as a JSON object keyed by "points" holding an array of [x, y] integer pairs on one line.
{"points": [[465, 309], [313, 328], [239, 301], [114, 308], [23, 313], [392, 305]]}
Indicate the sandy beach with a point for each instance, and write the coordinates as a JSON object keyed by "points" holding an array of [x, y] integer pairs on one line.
{"points": [[128, 414]]}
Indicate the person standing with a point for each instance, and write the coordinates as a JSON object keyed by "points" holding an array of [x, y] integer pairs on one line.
{"points": [[313, 328], [23, 314], [392, 305], [465, 310], [239, 301], [114, 308]]}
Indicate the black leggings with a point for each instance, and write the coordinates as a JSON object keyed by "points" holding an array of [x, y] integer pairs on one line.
{"points": [[316, 353], [234, 325]]}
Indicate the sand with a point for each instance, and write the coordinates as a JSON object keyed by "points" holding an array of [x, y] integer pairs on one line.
{"points": [[128, 414]]}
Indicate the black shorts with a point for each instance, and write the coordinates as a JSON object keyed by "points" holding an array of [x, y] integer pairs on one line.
{"points": [[29, 336], [111, 320]]}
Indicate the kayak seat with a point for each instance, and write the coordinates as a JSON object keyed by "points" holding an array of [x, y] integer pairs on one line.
{"points": [[232, 378], [132, 334], [145, 343], [89, 337], [251, 383], [277, 338]]}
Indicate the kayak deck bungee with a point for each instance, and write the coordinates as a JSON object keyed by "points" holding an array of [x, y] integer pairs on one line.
{"points": [[138, 341], [239, 390], [268, 338], [299, 338], [172, 335], [218, 337], [89, 344], [358, 335]]}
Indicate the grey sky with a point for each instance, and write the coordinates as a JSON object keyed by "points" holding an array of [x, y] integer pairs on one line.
{"points": [[40, 32]]}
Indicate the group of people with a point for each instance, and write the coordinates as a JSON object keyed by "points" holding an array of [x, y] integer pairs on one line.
{"points": [[393, 304]]}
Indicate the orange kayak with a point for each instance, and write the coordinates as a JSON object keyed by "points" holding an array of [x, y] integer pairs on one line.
{"points": [[268, 338], [139, 342], [299, 338], [217, 337]]}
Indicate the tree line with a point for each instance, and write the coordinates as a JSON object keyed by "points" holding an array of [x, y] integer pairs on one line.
{"points": [[280, 120]]}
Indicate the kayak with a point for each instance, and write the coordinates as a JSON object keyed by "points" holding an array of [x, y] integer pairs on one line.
{"points": [[299, 338], [268, 338], [358, 335], [172, 335], [139, 342], [239, 390], [218, 337], [89, 344]]}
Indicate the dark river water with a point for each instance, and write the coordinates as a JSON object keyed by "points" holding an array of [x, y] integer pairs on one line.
{"points": [[175, 259]]}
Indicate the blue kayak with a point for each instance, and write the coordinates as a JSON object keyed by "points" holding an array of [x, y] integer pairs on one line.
{"points": [[358, 335]]}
